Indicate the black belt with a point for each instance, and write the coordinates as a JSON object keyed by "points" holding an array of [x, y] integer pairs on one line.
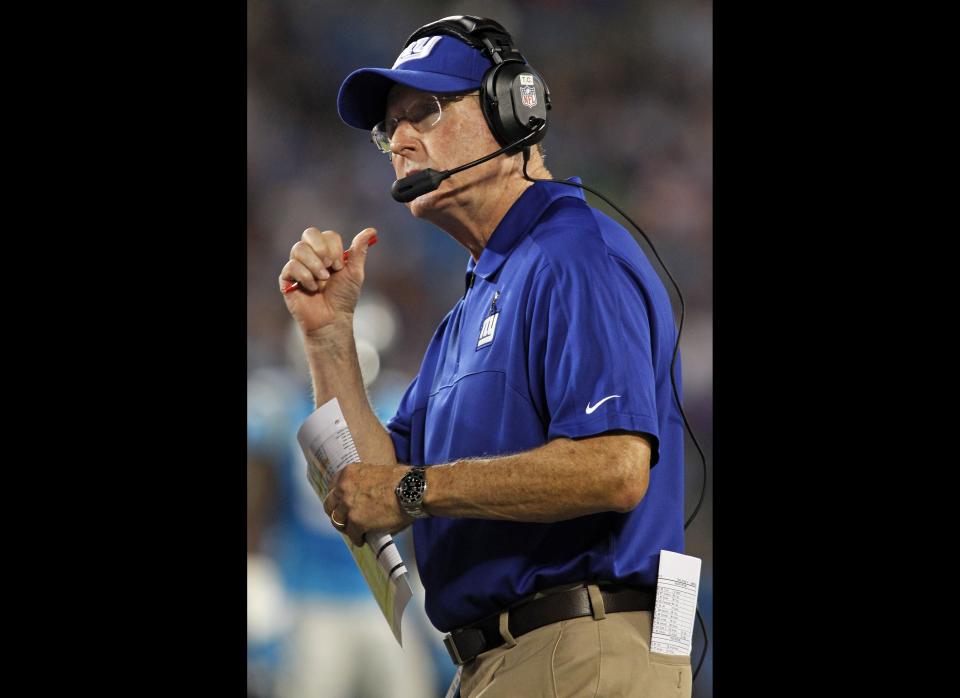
{"points": [[465, 643]]}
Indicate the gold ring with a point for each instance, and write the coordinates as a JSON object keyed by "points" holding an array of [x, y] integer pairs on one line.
{"points": [[336, 523]]}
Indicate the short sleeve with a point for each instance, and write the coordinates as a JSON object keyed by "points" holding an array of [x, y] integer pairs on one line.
{"points": [[399, 426], [590, 349]]}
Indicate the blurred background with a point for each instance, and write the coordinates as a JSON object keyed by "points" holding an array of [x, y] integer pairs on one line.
{"points": [[632, 90]]}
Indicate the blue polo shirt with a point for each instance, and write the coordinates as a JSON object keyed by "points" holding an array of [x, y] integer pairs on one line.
{"points": [[564, 330]]}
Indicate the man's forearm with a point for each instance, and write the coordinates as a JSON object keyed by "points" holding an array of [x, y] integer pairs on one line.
{"points": [[560, 480], [335, 372]]}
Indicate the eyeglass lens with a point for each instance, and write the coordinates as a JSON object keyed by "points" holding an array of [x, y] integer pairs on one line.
{"points": [[424, 113]]}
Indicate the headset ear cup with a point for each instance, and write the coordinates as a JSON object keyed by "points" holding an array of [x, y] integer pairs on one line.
{"points": [[502, 100], [489, 103]]}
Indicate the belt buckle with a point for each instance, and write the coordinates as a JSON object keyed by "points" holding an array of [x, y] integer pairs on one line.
{"points": [[473, 644], [452, 649]]}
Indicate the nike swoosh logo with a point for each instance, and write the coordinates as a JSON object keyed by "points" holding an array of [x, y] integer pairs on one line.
{"points": [[590, 410]]}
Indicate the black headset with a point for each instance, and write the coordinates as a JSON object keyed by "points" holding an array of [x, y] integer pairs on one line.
{"points": [[513, 96]]}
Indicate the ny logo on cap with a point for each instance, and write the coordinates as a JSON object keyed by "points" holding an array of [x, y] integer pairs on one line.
{"points": [[420, 48]]}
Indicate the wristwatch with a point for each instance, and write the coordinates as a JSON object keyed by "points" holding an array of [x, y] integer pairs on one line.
{"points": [[410, 492]]}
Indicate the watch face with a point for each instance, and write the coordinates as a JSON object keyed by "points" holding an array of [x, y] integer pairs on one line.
{"points": [[411, 487]]}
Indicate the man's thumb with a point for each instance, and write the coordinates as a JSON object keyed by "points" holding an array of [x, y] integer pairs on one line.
{"points": [[364, 240]]}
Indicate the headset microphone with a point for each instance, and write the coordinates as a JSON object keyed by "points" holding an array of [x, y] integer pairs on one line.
{"points": [[409, 188]]}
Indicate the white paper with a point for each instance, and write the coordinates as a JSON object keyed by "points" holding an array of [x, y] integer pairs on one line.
{"points": [[678, 583], [454, 684], [328, 446]]}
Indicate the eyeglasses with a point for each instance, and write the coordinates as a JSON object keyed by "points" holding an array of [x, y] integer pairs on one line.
{"points": [[423, 115]]}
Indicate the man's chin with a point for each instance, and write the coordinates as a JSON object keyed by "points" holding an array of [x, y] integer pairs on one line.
{"points": [[423, 205]]}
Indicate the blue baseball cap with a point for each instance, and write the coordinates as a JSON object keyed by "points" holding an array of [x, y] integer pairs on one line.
{"points": [[437, 64]]}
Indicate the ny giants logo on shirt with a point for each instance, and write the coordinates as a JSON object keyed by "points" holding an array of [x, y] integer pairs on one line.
{"points": [[489, 323]]}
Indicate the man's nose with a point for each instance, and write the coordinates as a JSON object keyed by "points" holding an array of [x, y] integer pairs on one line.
{"points": [[404, 137]]}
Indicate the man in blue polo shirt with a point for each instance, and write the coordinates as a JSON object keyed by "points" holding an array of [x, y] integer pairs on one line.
{"points": [[539, 451]]}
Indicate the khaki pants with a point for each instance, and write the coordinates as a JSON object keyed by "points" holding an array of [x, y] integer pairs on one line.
{"points": [[604, 656]]}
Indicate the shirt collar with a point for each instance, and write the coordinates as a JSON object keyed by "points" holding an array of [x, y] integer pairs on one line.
{"points": [[521, 217]]}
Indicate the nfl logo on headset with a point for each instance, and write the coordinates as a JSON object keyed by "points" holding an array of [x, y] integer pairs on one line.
{"points": [[528, 95]]}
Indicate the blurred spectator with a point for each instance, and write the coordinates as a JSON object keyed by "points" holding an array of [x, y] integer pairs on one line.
{"points": [[313, 627]]}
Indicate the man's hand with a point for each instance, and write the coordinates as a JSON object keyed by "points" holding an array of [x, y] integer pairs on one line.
{"points": [[362, 496], [329, 285]]}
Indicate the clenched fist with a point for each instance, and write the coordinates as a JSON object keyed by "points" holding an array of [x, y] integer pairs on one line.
{"points": [[329, 285], [362, 499]]}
